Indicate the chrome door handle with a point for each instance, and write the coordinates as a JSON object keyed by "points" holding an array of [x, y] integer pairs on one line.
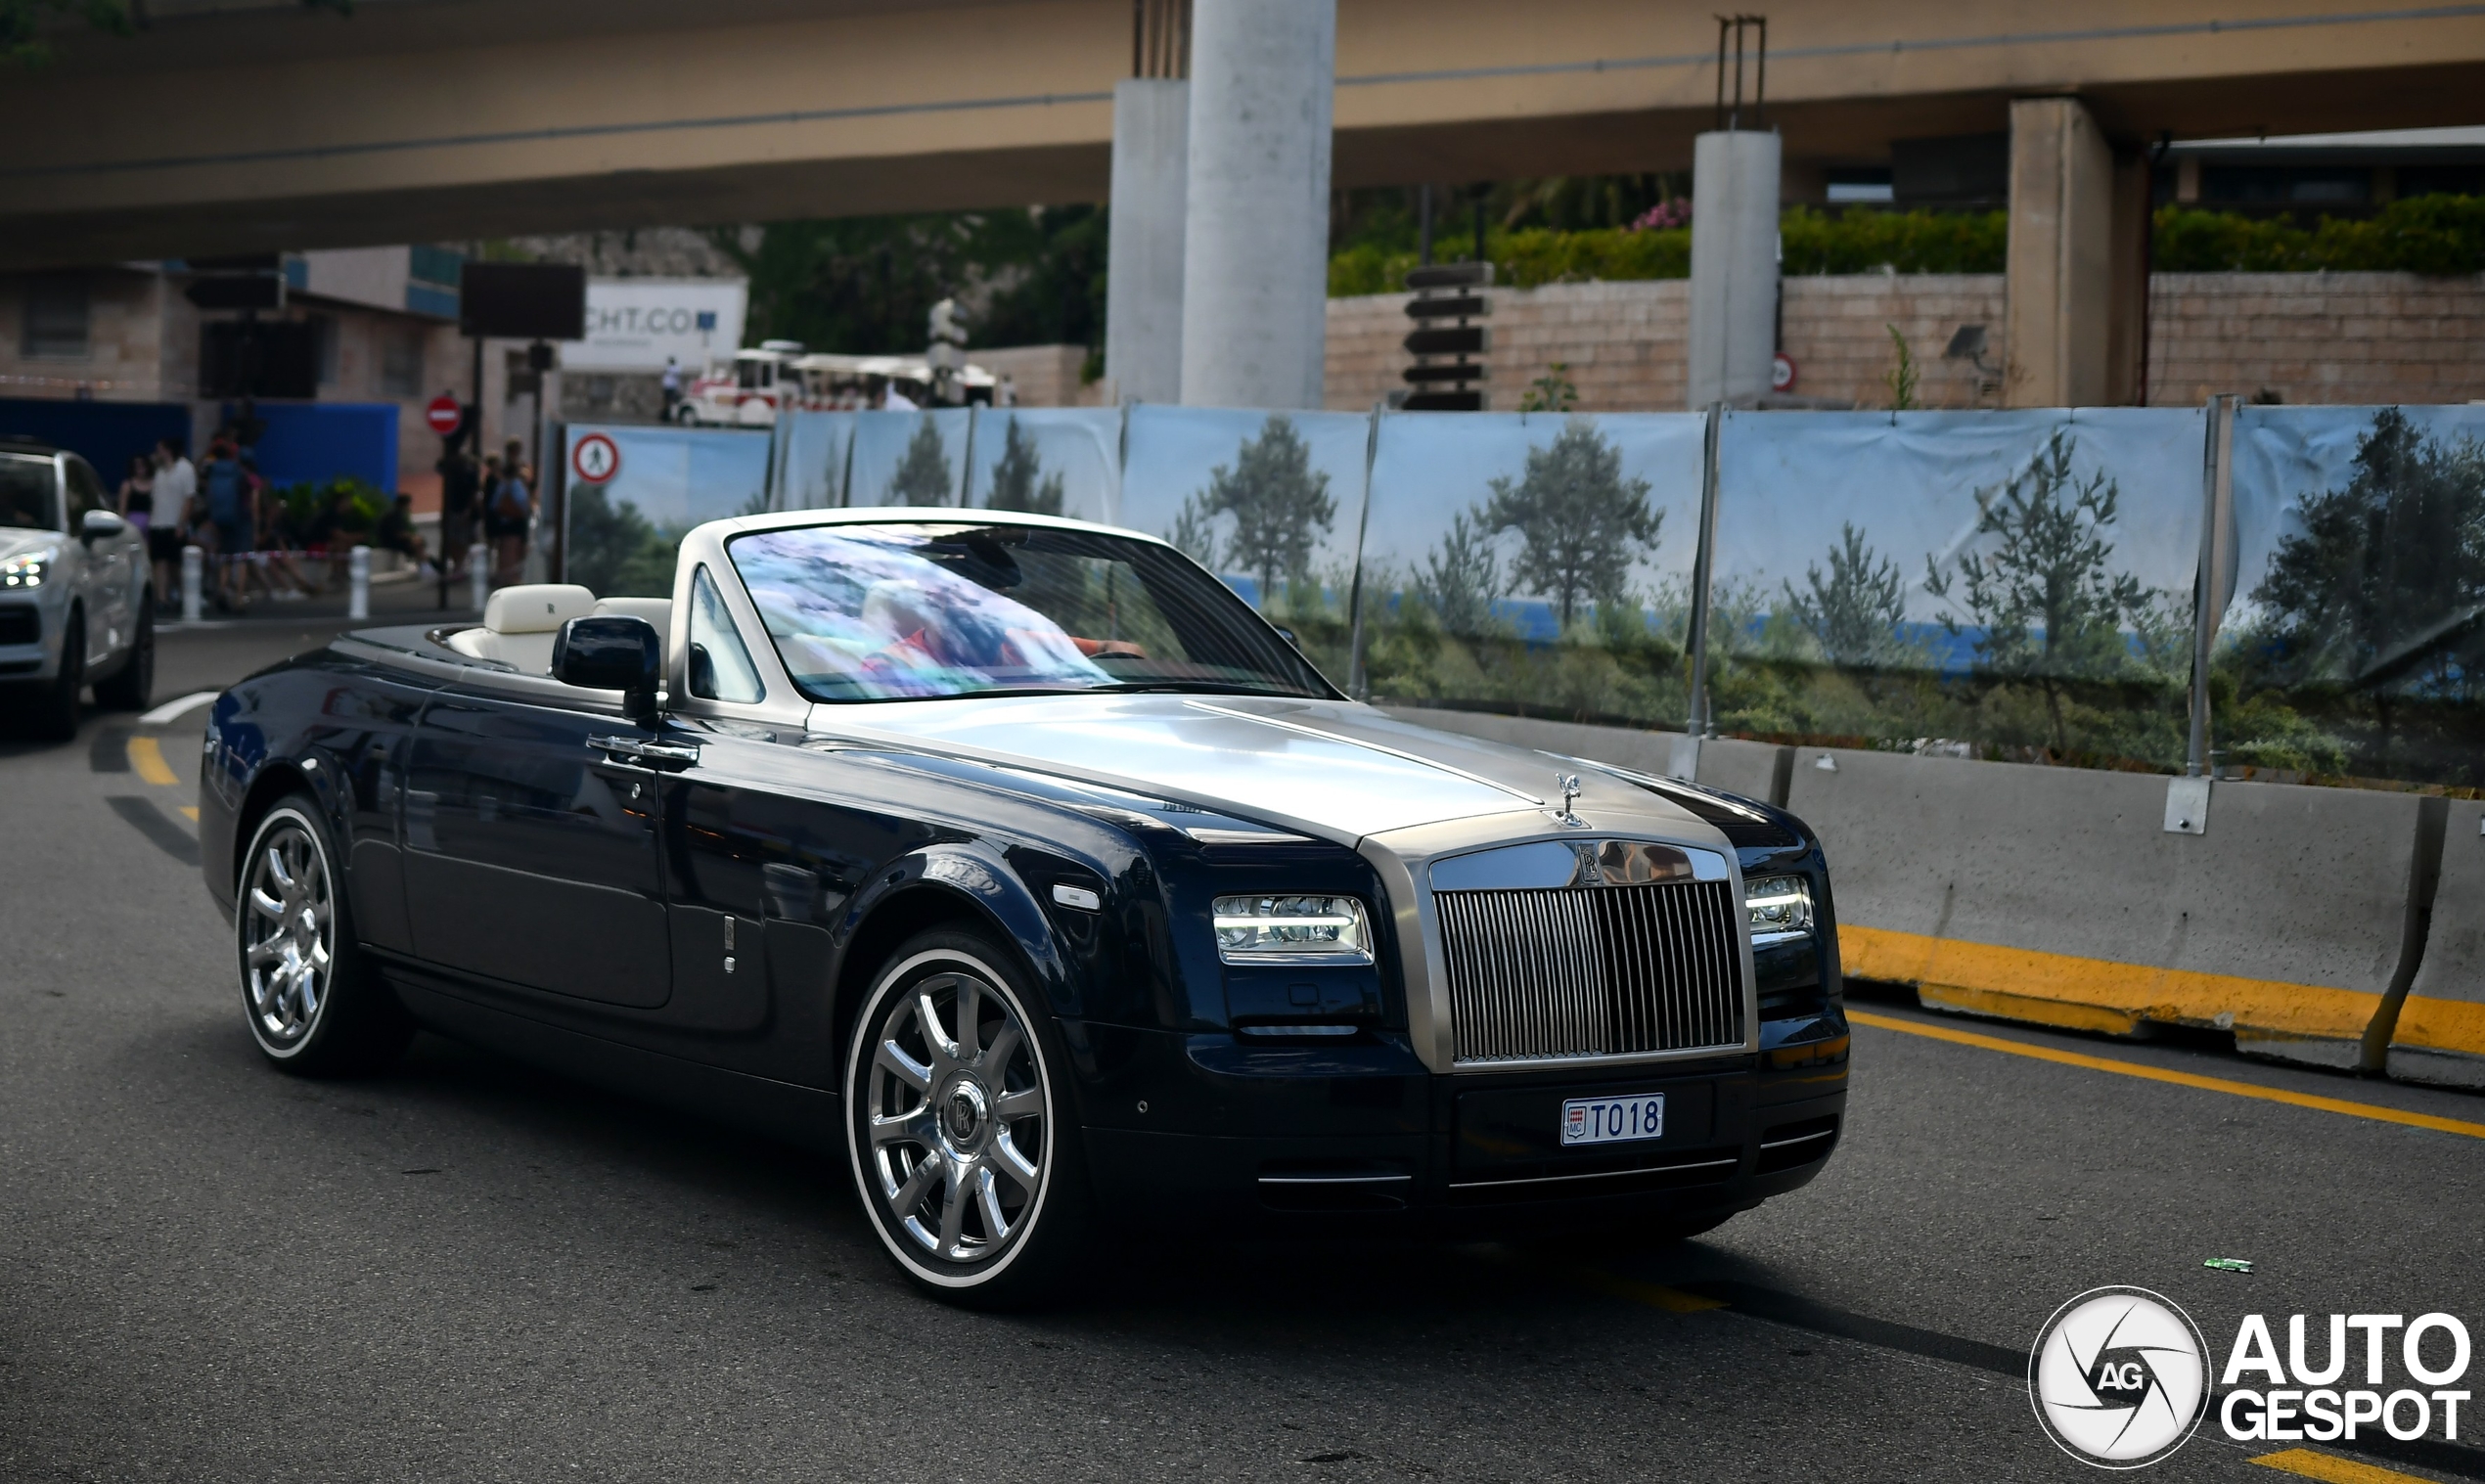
{"points": [[640, 751]]}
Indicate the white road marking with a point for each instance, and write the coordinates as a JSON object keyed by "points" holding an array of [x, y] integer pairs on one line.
{"points": [[172, 710]]}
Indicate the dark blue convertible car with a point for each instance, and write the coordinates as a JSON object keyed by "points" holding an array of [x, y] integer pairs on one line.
{"points": [[1025, 866]]}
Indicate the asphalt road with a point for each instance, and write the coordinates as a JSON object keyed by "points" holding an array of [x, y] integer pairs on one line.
{"points": [[468, 1270]]}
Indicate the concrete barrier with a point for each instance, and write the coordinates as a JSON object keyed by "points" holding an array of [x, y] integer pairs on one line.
{"points": [[1753, 770], [2439, 1035], [2056, 896]]}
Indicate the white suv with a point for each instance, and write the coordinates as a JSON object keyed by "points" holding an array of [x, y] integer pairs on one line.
{"points": [[74, 604]]}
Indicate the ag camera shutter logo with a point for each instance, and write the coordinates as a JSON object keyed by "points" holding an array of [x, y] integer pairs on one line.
{"points": [[2119, 1378]]}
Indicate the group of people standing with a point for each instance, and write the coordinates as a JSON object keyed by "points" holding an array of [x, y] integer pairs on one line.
{"points": [[494, 500], [249, 532]]}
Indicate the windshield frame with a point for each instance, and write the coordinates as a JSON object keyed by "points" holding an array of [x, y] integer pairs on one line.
{"points": [[57, 498], [1308, 683]]}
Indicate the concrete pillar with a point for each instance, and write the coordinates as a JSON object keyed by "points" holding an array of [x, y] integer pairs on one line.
{"points": [[1143, 289], [1733, 266], [2059, 324], [1255, 233]]}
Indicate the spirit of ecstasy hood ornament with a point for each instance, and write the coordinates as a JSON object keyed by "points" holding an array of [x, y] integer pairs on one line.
{"points": [[1568, 783]]}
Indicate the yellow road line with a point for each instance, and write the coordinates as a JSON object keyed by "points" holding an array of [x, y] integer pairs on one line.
{"points": [[2334, 1469], [147, 756], [189, 812], [1672, 1300], [2371, 1110]]}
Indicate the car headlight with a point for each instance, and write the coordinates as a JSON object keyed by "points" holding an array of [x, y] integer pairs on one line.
{"points": [[26, 568], [1779, 907], [1292, 929]]}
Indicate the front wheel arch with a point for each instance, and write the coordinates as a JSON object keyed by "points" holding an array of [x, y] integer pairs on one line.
{"points": [[908, 910]]}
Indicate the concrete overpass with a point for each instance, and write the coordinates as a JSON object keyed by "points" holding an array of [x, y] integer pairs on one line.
{"points": [[234, 125]]}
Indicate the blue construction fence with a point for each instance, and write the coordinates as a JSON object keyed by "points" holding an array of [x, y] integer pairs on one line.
{"points": [[304, 442], [2022, 584]]}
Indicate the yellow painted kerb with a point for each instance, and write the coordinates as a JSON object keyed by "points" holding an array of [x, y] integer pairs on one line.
{"points": [[2097, 994], [147, 758]]}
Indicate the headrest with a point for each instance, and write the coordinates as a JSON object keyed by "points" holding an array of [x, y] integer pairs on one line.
{"points": [[536, 607], [656, 610]]}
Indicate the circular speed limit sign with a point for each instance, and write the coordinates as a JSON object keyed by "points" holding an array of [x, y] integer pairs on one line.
{"points": [[595, 459]]}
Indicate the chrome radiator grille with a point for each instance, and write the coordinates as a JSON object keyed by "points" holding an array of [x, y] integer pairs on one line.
{"points": [[1592, 971]]}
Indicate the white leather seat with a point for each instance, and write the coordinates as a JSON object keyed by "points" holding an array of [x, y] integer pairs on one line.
{"points": [[519, 623], [658, 611]]}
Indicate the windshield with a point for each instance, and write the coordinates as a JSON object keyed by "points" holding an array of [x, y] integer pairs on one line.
{"points": [[27, 499], [904, 610]]}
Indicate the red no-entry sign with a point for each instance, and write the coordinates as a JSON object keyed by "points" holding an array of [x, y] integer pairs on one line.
{"points": [[443, 414]]}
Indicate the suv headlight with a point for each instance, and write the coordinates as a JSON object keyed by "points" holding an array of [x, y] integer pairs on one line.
{"points": [[1779, 907], [1273, 929], [28, 568]]}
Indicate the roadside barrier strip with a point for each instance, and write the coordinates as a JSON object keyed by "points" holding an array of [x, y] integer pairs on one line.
{"points": [[2440, 1033]]}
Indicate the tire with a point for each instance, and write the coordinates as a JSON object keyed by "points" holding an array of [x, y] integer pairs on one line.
{"points": [[964, 1156], [130, 687], [315, 1006], [56, 706]]}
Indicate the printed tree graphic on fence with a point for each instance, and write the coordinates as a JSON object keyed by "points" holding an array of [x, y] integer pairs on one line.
{"points": [[2386, 577], [1281, 507], [1019, 481], [924, 476], [1854, 611], [2049, 610], [1461, 578], [1583, 524]]}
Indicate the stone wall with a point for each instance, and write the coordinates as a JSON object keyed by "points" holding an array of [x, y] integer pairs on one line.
{"points": [[2318, 338], [2343, 338]]}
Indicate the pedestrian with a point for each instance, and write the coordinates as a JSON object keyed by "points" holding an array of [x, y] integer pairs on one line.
{"points": [[226, 490], [461, 485], [397, 533], [671, 381], [136, 500], [504, 518], [176, 489]]}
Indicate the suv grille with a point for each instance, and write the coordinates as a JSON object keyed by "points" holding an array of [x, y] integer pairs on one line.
{"points": [[1591, 971]]}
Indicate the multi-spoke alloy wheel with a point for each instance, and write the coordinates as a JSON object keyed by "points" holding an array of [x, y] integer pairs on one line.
{"points": [[314, 1005], [952, 1123], [288, 933]]}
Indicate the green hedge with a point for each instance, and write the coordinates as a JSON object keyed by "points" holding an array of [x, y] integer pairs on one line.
{"points": [[2438, 234]]}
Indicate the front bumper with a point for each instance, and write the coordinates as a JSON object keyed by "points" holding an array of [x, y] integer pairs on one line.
{"points": [[29, 639], [1363, 1137]]}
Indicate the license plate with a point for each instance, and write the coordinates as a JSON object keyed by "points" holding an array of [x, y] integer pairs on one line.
{"points": [[1614, 1120]]}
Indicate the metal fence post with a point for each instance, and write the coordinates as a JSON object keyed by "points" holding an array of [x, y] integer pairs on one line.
{"points": [[2217, 523], [1686, 763], [358, 583], [1359, 683], [194, 565], [478, 574]]}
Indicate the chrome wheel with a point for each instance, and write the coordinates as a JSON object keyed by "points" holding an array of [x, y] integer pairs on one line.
{"points": [[954, 1126], [288, 933]]}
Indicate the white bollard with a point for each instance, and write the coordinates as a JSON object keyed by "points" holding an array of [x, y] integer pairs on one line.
{"points": [[358, 579], [194, 563], [478, 574]]}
